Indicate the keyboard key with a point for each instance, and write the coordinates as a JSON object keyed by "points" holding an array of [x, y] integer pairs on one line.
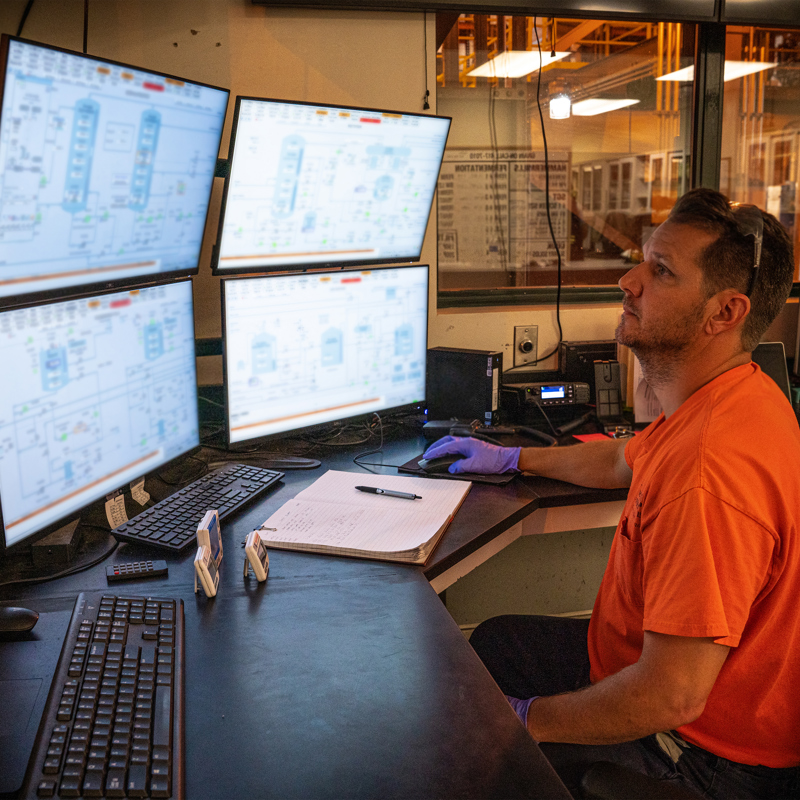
{"points": [[93, 784], [162, 717], [48, 789], [52, 764], [159, 786], [70, 787], [115, 783], [137, 781]]}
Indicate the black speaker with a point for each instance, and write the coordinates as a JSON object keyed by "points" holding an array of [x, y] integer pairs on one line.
{"points": [[463, 384]]}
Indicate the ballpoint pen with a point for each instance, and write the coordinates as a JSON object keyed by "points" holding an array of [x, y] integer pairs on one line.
{"points": [[388, 492]]}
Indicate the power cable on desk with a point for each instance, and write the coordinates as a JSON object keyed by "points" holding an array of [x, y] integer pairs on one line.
{"points": [[211, 435], [70, 570], [211, 402], [544, 414], [268, 459], [357, 458]]}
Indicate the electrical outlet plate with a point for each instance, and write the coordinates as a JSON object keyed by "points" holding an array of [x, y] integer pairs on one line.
{"points": [[525, 344]]}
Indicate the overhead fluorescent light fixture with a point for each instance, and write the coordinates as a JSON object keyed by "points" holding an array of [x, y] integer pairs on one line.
{"points": [[515, 64], [732, 70], [598, 105]]}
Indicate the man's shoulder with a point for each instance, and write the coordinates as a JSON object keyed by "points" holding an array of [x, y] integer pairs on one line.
{"points": [[749, 407], [738, 441]]}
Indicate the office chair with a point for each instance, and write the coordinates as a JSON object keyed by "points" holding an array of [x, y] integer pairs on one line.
{"points": [[607, 781]]}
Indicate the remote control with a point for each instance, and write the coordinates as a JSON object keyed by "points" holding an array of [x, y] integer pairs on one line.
{"points": [[136, 569]]}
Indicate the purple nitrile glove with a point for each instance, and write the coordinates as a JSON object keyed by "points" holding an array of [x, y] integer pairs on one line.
{"points": [[521, 708], [480, 457]]}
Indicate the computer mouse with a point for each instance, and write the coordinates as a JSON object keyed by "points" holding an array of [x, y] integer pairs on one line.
{"points": [[439, 465], [17, 620]]}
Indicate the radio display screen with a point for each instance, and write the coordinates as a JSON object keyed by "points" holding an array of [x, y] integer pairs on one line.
{"points": [[553, 392]]}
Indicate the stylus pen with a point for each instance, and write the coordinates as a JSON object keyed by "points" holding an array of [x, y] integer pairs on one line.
{"points": [[388, 492]]}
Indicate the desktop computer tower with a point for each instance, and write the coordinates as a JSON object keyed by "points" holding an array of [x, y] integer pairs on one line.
{"points": [[463, 384]]}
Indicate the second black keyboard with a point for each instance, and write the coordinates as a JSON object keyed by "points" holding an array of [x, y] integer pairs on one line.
{"points": [[172, 523], [113, 725]]}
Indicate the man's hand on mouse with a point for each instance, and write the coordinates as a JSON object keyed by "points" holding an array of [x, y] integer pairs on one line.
{"points": [[479, 457]]}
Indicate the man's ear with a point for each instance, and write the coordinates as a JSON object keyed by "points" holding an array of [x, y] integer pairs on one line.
{"points": [[729, 309]]}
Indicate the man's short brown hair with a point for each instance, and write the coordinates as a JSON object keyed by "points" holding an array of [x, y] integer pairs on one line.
{"points": [[727, 263]]}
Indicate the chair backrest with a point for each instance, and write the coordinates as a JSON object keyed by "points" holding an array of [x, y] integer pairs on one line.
{"points": [[771, 357]]}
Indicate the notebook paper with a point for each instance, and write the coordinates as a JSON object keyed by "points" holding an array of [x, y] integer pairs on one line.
{"points": [[332, 516]]}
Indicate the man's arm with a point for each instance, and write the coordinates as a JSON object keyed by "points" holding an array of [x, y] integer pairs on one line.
{"points": [[601, 465], [666, 688]]}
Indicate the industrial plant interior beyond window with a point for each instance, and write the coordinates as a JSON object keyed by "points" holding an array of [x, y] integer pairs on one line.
{"points": [[615, 99]]}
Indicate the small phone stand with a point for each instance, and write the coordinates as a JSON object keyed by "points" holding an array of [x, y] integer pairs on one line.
{"points": [[256, 557]]}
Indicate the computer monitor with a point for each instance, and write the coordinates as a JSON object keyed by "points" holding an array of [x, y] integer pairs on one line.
{"points": [[303, 350], [105, 172], [319, 185], [95, 392]]}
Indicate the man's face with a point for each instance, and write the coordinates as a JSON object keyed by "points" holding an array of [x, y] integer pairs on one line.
{"points": [[664, 304]]}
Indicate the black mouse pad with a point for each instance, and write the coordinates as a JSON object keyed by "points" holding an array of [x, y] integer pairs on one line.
{"points": [[412, 467], [27, 665]]}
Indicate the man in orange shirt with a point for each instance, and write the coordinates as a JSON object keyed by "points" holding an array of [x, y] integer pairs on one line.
{"points": [[690, 666]]}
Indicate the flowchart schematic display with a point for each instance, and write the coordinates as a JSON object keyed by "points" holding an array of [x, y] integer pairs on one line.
{"points": [[105, 171], [302, 350], [326, 185], [103, 391]]}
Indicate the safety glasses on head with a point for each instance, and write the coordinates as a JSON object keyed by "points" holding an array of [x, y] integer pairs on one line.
{"points": [[750, 222]]}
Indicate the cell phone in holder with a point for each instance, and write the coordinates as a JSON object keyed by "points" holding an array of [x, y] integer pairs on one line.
{"points": [[205, 569], [256, 557], [209, 535]]}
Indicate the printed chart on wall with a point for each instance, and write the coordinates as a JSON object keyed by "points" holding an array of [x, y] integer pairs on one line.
{"points": [[492, 211]]}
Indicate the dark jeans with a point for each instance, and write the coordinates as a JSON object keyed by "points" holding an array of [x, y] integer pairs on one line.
{"points": [[529, 656]]}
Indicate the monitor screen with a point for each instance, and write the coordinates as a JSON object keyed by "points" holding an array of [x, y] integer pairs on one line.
{"points": [[303, 350], [326, 185], [105, 172], [97, 391]]}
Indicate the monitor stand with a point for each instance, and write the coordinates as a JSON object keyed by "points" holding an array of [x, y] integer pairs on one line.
{"points": [[58, 548]]}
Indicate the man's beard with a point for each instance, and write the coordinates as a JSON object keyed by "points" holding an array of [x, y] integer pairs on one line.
{"points": [[662, 350]]}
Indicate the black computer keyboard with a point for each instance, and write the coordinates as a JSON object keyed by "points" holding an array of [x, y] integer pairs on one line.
{"points": [[113, 724], [172, 523]]}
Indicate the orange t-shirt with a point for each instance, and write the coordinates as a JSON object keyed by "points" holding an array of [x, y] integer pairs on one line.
{"points": [[708, 546]]}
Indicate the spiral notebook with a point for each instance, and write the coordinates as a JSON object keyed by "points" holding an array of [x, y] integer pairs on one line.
{"points": [[333, 517]]}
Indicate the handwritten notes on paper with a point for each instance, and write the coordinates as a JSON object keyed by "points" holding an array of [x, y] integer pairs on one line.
{"points": [[331, 515]]}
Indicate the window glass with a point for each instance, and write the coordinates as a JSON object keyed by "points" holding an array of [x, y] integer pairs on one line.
{"points": [[762, 121], [618, 158]]}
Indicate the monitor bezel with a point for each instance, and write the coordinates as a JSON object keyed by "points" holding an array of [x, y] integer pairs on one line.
{"points": [[24, 544], [110, 284], [255, 442], [333, 264]]}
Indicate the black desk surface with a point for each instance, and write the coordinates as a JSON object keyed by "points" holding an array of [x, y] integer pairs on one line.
{"points": [[339, 677]]}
